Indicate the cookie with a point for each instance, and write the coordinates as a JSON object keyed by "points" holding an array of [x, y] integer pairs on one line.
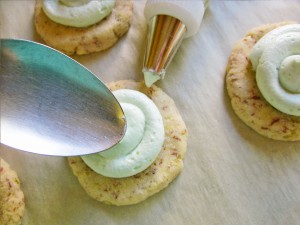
{"points": [[246, 99], [12, 203], [168, 164], [95, 38]]}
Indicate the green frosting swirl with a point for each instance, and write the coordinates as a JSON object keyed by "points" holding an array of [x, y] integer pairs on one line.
{"points": [[78, 13], [276, 59], [141, 144]]}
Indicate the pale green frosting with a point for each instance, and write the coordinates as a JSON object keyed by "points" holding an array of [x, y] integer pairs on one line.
{"points": [[268, 39], [276, 59], [77, 13], [141, 144], [135, 120], [74, 2], [289, 73], [150, 77]]}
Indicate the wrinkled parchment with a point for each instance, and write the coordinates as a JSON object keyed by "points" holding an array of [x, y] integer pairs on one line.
{"points": [[231, 176]]}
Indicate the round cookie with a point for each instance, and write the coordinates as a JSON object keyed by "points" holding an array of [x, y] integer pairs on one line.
{"points": [[168, 164], [95, 38], [246, 99], [12, 203]]}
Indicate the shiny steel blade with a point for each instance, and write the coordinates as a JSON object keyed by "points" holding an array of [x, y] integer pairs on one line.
{"points": [[52, 105]]}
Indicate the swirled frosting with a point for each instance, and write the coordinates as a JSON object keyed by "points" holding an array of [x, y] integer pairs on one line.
{"points": [[276, 59], [77, 13], [141, 144]]}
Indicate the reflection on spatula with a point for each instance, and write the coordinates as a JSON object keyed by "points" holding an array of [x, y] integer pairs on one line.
{"points": [[52, 105]]}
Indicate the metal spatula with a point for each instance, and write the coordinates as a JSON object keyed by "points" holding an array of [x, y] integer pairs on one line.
{"points": [[52, 105]]}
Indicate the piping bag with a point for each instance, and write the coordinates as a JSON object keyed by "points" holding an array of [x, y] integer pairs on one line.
{"points": [[170, 21]]}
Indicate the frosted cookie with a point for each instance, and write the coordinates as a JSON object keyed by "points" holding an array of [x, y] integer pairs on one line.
{"points": [[83, 40], [167, 165], [247, 100], [12, 203]]}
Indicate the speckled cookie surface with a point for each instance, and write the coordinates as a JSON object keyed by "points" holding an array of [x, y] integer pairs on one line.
{"points": [[95, 38], [169, 163], [246, 99], [11, 196]]}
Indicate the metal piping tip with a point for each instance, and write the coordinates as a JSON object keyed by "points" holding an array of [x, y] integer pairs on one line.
{"points": [[164, 37]]}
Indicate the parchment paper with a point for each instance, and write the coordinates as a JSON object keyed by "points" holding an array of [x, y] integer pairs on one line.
{"points": [[232, 175]]}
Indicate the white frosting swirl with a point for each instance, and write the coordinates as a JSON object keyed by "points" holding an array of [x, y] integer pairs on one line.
{"points": [[141, 144], [268, 39], [78, 13], [276, 59]]}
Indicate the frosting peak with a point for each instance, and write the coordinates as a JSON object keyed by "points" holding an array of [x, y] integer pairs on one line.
{"points": [[289, 73]]}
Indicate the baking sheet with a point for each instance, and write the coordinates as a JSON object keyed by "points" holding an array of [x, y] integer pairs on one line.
{"points": [[231, 175]]}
